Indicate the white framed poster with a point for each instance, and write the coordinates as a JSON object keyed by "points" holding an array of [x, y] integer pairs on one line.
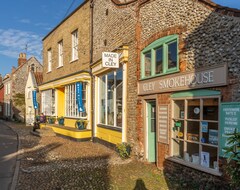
{"points": [[205, 159]]}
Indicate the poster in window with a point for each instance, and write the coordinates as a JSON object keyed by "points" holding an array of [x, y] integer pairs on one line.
{"points": [[204, 126], [205, 159]]}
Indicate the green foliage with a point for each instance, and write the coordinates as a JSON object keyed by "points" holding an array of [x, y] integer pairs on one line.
{"points": [[19, 99], [124, 150], [51, 119], [233, 153], [81, 124]]}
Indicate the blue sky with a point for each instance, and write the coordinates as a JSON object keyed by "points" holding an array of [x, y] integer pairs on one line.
{"points": [[28, 21]]}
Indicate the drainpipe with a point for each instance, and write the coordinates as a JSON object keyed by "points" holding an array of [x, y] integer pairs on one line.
{"points": [[92, 77]]}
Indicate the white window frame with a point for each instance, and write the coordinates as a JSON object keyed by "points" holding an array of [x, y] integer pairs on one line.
{"points": [[71, 108], [106, 100], [49, 53], [75, 45], [60, 53], [48, 99]]}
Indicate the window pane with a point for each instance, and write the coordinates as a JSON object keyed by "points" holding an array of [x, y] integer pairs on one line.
{"points": [[178, 148], [178, 129], [194, 109], [209, 132], [209, 157], [119, 90], [179, 109], [159, 60], [110, 103], [102, 99], [193, 153], [147, 61], [210, 109], [172, 55], [193, 131]]}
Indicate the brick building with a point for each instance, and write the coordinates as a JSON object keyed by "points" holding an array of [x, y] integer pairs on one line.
{"points": [[115, 92], [18, 82], [188, 80], [180, 75], [66, 88]]}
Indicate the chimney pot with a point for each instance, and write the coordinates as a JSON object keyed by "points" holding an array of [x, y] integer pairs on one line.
{"points": [[22, 59]]}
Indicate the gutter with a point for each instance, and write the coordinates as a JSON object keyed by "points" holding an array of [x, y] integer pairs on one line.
{"points": [[92, 77]]}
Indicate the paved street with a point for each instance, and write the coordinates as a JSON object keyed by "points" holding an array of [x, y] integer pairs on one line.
{"points": [[58, 163], [8, 150]]}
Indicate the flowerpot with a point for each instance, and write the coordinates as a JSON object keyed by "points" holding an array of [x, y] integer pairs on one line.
{"points": [[61, 121], [80, 126]]}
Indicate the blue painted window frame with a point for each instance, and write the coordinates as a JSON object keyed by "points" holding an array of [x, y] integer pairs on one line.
{"points": [[162, 42]]}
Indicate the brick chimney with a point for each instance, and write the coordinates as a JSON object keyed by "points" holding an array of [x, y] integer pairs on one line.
{"points": [[22, 59], [13, 69]]}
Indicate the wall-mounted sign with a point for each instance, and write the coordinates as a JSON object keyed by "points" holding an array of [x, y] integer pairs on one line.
{"points": [[163, 124], [110, 59], [184, 81], [230, 120]]}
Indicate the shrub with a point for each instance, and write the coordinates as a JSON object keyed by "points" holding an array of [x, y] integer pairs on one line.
{"points": [[233, 153], [124, 150]]}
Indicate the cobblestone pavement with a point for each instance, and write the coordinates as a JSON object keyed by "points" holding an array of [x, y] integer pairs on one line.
{"points": [[59, 163]]}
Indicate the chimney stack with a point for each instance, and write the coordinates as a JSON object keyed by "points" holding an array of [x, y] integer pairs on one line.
{"points": [[13, 69], [22, 59]]}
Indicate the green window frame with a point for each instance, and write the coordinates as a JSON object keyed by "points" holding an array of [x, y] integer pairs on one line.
{"points": [[156, 57]]}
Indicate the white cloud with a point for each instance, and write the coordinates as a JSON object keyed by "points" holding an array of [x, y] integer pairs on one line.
{"points": [[13, 42]]}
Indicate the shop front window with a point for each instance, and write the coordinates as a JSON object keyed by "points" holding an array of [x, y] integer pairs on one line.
{"points": [[110, 97], [71, 104], [48, 102], [195, 131]]}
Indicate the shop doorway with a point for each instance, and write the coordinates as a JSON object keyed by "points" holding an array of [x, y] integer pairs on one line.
{"points": [[151, 130]]}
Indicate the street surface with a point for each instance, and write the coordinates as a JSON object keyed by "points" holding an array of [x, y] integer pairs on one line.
{"points": [[8, 151]]}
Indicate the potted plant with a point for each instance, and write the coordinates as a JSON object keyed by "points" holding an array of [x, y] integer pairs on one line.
{"points": [[51, 119], [81, 124], [124, 150], [60, 120]]}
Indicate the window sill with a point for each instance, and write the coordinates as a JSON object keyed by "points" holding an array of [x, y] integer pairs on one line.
{"points": [[110, 127], [48, 72], [195, 166], [72, 61], [59, 67]]}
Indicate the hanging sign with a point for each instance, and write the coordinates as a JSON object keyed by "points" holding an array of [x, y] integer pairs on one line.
{"points": [[79, 86], [110, 60], [34, 95]]}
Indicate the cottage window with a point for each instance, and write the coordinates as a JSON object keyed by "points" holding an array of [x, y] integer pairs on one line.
{"points": [[48, 102], [71, 106], [49, 60], [75, 45], [110, 96], [160, 57], [60, 53], [195, 128]]}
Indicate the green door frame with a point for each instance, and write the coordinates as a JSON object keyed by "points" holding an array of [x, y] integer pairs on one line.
{"points": [[151, 130]]}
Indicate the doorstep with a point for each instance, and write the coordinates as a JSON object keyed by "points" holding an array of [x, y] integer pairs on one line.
{"points": [[73, 133]]}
